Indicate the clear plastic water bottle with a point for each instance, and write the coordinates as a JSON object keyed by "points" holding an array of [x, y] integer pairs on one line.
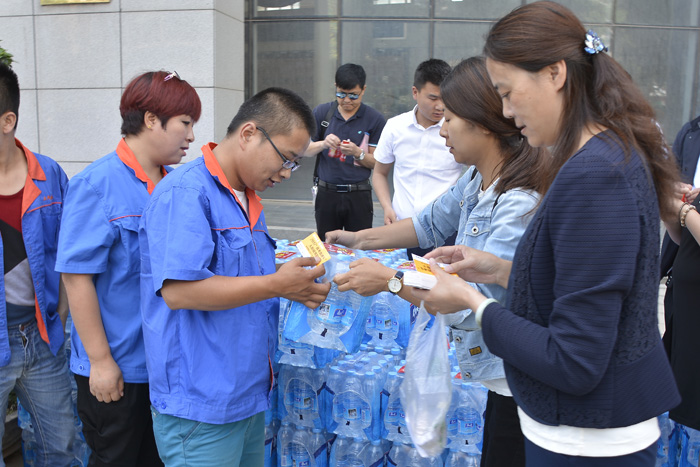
{"points": [[301, 457], [351, 407], [469, 424], [465, 422], [319, 447], [301, 399], [414, 459], [290, 352], [394, 417], [350, 461], [338, 449], [354, 454], [386, 320], [284, 445], [451, 418], [397, 455], [458, 458], [374, 454], [336, 314]]}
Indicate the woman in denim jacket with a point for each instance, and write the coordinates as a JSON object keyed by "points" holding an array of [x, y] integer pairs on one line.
{"points": [[489, 208]]}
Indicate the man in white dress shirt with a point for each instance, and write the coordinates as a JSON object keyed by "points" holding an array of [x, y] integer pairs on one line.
{"points": [[411, 142]]}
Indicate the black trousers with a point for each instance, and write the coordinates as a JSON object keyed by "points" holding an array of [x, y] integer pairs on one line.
{"points": [[119, 433], [504, 443], [351, 211]]}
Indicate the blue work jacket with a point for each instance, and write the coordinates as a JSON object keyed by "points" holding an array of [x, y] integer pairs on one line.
{"points": [[208, 366], [99, 236], [41, 216]]}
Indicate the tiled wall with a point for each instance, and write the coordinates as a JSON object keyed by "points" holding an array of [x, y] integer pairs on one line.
{"points": [[73, 62]]}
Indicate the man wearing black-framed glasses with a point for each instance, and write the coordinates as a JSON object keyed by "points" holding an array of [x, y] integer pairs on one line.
{"points": [[347, 131], [206, 253]]}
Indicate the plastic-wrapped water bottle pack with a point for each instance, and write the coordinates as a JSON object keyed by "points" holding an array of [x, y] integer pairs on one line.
{"points": [[338, 370]]}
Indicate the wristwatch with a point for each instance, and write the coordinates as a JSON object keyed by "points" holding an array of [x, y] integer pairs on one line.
{"points": [[361, 156], [396, 283]]}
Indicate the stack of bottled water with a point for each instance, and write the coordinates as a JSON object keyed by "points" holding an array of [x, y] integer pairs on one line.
{"points": [[348, 397], [353, 389]]}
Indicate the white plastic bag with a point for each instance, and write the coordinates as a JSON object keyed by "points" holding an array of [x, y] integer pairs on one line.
{"points": [[426, 391]]}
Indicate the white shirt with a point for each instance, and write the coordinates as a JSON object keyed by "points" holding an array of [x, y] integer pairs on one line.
{"points": [[696, 178], [423, 166], [590, 442], [242, 198]]}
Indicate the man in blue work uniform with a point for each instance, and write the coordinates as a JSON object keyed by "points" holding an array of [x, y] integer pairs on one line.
{"points": [[33, 305], [210, 288], [344, 199]]}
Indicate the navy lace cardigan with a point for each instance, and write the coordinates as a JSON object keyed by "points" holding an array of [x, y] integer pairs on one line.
{"points": [[579, 335]]}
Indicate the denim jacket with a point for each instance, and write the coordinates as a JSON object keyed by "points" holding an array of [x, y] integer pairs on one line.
{"points": [[493, 224]]}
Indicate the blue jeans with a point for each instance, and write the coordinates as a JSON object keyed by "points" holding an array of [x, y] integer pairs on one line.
{"points": [[42, 384], [183, 442]]}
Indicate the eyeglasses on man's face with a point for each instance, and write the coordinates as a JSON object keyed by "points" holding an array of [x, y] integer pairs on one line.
{"points": [[343, 95], [287, 164]]}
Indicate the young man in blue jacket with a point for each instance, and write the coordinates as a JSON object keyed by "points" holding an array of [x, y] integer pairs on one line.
{"points": [[33, 305], [210, 288]]}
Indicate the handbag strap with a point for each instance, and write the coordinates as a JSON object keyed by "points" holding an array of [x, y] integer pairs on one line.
{"points": [[322, 134]]}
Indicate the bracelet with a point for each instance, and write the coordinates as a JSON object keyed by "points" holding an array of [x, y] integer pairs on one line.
{"points": [[684, 215], [680, 211]]}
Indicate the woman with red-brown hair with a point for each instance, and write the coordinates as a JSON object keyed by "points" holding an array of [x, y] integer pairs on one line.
{"points": [[578, 334], [99, 256]]}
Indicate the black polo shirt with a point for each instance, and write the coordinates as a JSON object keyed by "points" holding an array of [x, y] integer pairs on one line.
{"points": [[366, 119]]}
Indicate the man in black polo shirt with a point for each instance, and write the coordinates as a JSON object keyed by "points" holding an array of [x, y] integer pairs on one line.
{"points": [[344, 199]]}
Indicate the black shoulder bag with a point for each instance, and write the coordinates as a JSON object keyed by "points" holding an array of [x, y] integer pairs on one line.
{"points": [[324, 126]]}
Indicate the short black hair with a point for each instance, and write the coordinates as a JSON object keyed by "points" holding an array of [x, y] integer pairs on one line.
{"points": [[9, 91], [433, 71], [277, 110], [350, 75]]}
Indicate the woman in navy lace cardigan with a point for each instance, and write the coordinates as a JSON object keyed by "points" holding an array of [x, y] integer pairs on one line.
{"points": [[578, 333]]}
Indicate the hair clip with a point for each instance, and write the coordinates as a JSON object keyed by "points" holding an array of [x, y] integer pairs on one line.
{"points": [[593, 43], [171, 76]]}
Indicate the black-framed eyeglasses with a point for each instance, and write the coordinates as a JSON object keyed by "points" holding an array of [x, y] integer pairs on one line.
{"points": [[342, 95], [171, 76], [288, 164]]}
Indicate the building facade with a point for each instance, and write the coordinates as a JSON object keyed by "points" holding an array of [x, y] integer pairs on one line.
{"points": [[74, 60]]}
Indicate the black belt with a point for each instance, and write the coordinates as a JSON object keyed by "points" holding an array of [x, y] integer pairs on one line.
{"points": [[362, 186]]}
